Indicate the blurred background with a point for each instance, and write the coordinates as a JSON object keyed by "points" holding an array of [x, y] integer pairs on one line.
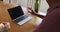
{"points": [[43, 5]]}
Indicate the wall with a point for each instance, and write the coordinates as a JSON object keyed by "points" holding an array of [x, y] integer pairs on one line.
{"points": [[22, 2], [43, 4]]}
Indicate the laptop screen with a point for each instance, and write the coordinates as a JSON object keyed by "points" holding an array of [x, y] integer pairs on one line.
{"points": [[15, 12]]}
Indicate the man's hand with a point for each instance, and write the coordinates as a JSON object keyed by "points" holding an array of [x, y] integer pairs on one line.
{"points": [[31, 11], [34, 13]]}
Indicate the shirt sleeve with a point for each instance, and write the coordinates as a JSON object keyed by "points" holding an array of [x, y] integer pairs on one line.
{"points": [[51, 23]]}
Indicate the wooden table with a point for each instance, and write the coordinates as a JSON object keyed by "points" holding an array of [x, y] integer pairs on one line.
{"points": [[4, 16]]}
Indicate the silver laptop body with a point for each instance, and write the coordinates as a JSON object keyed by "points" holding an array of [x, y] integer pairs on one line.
{"points": [[17, 15]]}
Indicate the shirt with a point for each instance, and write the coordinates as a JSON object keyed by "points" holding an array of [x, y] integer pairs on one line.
{"points": [[51, 22]]}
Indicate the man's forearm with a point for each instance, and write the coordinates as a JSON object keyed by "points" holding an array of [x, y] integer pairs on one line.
{"points": [[41, 16]]}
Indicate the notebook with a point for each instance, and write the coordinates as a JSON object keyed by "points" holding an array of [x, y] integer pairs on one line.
{"points": [[17, 15]]}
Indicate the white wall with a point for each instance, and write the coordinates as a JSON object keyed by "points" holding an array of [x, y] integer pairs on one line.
{"points": [[6, 1], [43, 4], [26, 3], [22, 2]]}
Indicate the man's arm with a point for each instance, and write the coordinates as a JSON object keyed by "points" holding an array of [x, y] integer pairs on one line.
{"points": [[51, 23], [34, 13], [41, 16]]}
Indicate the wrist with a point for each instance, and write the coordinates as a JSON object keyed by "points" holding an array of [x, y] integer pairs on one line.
{"points": [[35, 14]]}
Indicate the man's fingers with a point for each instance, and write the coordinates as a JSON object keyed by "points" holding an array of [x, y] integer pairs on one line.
{"points": [[30, 9]]}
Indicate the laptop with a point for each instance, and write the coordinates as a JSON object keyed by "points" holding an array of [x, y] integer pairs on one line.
{"points": [[17, 15]]}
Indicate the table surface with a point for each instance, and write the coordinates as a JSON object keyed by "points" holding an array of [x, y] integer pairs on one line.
{"points": [[4, 16]]}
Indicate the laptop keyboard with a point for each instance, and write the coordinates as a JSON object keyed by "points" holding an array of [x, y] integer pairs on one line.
{"points": [[20, 19]]}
